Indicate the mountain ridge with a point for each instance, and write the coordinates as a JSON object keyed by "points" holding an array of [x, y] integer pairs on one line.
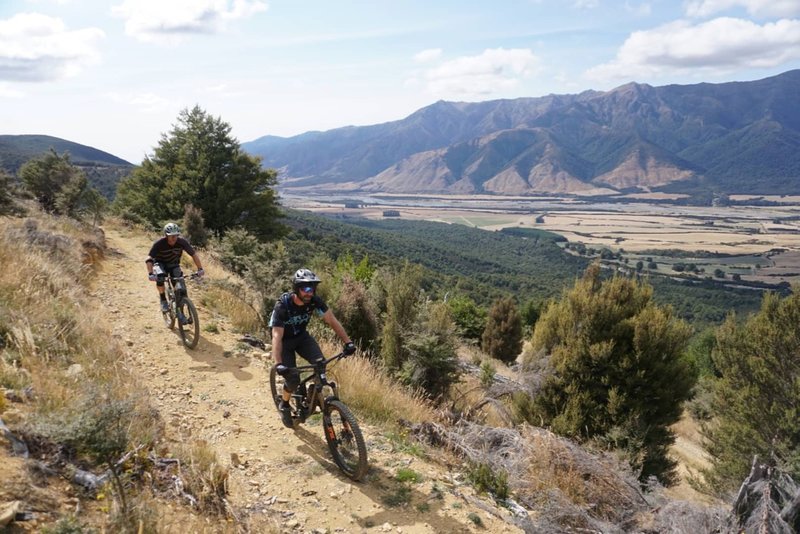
{"points": [[735, 137]]}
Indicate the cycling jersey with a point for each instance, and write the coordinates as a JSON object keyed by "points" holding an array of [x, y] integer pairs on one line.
{"points": [[162, 252], [293, 318]]}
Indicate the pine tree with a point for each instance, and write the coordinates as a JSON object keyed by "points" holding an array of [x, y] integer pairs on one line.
{"points": [[502, 337], [199, 163]]}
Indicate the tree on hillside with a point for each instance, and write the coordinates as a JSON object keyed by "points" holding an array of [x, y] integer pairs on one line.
{"points": [[469, 317], [757, 394], [60, 187], [615, 369], [402, 301], [6, 201], [199, 163], [502, 337], [432, 362], [356, 312]]}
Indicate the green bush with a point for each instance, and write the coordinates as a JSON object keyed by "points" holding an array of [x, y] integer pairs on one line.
{"points": [[502, 336], [616, 370], [487, 480], [757, 394]]}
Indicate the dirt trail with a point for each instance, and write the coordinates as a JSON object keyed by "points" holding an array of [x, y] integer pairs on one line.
{"points": [[218, 393]]}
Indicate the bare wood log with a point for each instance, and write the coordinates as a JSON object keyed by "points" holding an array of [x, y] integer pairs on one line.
{"points": [[791, 512], [18, 447]]}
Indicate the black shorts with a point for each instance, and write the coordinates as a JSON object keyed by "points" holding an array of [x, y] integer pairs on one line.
{"points": [[304, 345]]}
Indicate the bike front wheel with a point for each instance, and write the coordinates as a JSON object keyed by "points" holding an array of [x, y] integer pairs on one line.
{"points": [[273, 387], [344, 439], [169, 316], [189, 323]]}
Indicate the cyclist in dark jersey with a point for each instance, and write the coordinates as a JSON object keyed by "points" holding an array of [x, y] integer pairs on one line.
{"points": [[164, 259], [289, 319]]}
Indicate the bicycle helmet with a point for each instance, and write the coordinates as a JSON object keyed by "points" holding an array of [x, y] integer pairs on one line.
{"points": [[172, 229], [303, 277]]}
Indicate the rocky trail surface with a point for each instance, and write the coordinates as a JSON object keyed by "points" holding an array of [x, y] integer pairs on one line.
{"points": [[218, 393]]}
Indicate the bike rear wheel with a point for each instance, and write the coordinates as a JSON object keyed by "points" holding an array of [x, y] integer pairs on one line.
{"points": [[190, 332], [344, 439]]}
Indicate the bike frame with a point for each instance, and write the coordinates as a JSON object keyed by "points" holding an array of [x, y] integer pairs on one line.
{"points": [[309, 392]]}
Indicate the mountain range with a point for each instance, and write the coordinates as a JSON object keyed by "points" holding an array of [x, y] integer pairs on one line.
{"points": [[737, 137], [697, 140]]}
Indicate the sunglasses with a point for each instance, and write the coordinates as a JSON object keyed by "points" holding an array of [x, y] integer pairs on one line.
{"points": [[307, 289]]}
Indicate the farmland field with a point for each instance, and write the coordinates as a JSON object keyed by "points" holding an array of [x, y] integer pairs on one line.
{"points": [[753, 242]]}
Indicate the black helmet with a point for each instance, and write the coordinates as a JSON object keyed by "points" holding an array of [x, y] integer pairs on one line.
{"points": [[172, 229], [304, 276]]}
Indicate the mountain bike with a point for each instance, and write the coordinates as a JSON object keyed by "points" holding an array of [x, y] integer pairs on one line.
{"points": [[339, 425], [181, 310]]}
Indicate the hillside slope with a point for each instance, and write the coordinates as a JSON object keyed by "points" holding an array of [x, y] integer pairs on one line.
{"points": [[219, 393]]}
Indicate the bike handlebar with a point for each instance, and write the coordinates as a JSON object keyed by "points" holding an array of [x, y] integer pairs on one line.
{"points": [[324, 361]]}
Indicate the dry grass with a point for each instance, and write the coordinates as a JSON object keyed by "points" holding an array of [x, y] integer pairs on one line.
{"points": [[373, 395], [224, 298], [54, 343], [204, 477]]}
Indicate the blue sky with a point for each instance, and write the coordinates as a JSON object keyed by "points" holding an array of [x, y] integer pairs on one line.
{"points": [[115, 74]]}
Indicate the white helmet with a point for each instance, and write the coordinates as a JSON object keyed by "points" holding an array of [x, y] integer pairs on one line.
{"points": [[304, 276], [172, 229]]}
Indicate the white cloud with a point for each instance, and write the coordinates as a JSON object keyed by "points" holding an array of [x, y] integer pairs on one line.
{"points": [[765, 8], [39, 48], [428, 55], [493, 71], [644, 9], [6, 91], [585, 4], [143, 102], [718, 45], [172, 20]]}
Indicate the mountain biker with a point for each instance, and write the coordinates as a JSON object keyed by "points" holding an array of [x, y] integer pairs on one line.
{"points": [[289, 319], [164, 259]]}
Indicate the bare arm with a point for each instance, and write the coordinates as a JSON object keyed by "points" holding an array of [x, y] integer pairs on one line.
{"points": [[277, 344], [197, 263], [337, 327]]}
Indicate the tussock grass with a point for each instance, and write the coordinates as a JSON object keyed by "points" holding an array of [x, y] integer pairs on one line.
{"points": [[204, 477], [225, 298], [373, 395], [83, 399]]}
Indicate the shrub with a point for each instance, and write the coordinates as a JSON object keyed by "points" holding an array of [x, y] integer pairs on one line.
{"points": [[616, 369], [432, 362], [356, 313], [756, 395], [487, 480], [502, 337], [194, 228]]}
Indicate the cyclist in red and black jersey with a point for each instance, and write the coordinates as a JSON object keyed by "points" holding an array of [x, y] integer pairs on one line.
{"points": [[289, 319], [164, 259]]}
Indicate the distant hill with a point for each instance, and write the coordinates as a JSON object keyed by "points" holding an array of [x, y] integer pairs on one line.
{"points": [[738, 137], [102, 169]]}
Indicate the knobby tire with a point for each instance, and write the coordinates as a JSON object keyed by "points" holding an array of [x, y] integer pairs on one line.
{"points": [[344, 439], [169, 316], [190, 333], [273, 386]]}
